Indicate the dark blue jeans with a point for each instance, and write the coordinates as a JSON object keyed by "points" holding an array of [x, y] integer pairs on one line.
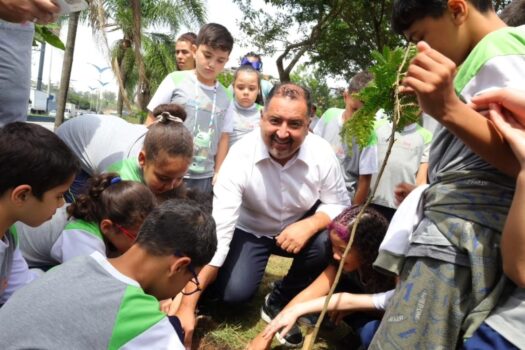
{"points": [[487, 338], [242, 272]]}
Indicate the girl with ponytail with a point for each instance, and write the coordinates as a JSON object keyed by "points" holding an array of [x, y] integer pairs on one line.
{"points": [[105, 219], [166, 153], [158, 156]]}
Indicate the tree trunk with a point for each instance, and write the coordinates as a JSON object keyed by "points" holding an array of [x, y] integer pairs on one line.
{"points": [[143, 86], [66, 67]]}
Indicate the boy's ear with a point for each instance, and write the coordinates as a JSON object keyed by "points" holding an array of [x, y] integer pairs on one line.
{"points": [[193, 48], [179, 264], [20, 194], [142, 158], [458, 9]]}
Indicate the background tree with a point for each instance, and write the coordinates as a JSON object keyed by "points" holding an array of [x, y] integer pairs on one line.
{"points": [[141, 57], [335, 35]]}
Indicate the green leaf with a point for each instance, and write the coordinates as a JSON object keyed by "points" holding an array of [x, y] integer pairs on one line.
{"points": [[44, 34], [379, 94]]}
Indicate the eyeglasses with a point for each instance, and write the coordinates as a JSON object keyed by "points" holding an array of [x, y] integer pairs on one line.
{"points": [[126, 232], [194, 279], [257, 65]]}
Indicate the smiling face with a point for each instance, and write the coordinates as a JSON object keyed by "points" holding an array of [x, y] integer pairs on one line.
{"points": [[246, 88], [284, 126], [184, 54], [209, 62], [165, 172]]}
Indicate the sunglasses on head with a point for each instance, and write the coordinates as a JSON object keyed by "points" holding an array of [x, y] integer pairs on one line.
{"points": [[256, 65]]}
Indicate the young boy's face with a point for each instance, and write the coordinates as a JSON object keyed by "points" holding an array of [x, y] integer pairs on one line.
{"points": [[352, 105], [209, 63], [35, 212], [443, 34]]}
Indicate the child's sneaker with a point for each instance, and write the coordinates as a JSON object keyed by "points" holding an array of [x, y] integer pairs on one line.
{"points": [[294, 337]]}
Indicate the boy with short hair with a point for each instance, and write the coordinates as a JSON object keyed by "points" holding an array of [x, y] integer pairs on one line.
{"points": [[206, 102], [37, 169], [451, 278], [357, 164], [96, 303]]}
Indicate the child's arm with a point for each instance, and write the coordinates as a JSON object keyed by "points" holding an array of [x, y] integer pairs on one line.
{"points": [[339, 302], [222, 151], [431, 76], [363, 188], [422, 174], [511, 123]]}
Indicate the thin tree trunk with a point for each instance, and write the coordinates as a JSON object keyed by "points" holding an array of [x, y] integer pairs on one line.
{"points": [[66, 67], [143, 86]]}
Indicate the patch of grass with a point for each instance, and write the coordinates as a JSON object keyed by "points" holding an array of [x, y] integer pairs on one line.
{"points": [[232, 327]]}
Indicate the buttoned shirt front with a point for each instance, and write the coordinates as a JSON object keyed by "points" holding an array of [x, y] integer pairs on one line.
{"points": [[260, 196]]}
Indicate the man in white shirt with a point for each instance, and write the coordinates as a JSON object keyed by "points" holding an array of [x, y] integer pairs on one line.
{"points": [[269, 183]]}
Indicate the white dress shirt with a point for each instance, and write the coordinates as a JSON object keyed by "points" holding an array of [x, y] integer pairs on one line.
{"points": [[258, 195]]}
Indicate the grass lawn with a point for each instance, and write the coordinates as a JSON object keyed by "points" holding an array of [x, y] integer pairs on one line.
{"points": [[231, 328]]}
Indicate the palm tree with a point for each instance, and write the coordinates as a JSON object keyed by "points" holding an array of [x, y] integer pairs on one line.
{"points": [[136, 47]]}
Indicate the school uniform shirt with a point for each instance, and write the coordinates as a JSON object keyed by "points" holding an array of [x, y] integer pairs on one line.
{"points": [[85, 304], [409, 150], [101, 140], [207, 118], [245, 120], [59, 240], [128, 170], [14, 272], [258, 195], [354, 162]]}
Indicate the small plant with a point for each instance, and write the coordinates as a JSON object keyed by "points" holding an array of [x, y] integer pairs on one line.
{"points": [[380, 94]]}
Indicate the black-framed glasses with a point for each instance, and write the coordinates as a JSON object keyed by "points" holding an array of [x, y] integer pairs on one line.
{"points": [[194, 279]]}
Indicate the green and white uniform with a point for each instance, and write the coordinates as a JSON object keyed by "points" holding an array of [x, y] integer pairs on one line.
{"points": [[59, 240], [360, 161], [207, 117], [128, 170], [454, 251], [14, 272], [101, 140], [410, 149], [85, 304]]}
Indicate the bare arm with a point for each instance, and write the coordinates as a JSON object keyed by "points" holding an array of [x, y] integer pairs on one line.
{"points": [[513, 238], [363, 188], [20, 11], [188, 306], [422, 174]]}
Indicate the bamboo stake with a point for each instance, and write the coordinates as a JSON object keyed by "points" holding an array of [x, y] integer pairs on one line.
{"points": [[312, 334]]}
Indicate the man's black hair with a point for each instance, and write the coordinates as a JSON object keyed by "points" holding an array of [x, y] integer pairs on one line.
{"points": [[179, 227], [215, 36], [32, 155], [292, 91], [406, 12]]}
